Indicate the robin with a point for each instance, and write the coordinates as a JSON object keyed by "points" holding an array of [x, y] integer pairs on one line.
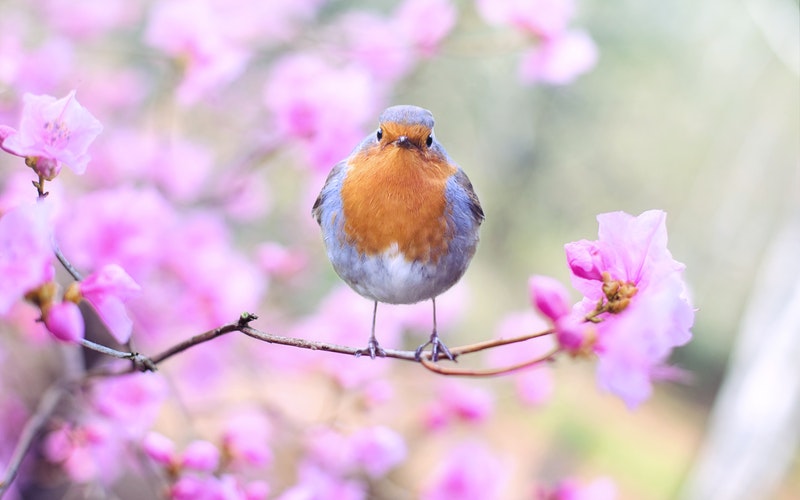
{"points": [[399, 218]]}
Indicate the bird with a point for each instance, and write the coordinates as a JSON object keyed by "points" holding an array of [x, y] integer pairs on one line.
{"points": [[399, 219]]}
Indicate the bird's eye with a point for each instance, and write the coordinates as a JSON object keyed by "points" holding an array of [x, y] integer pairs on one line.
{"points": [[429, 141], [379, 135]]}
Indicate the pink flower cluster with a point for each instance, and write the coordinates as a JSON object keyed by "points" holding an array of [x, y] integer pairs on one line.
{"points": [[635, 308], [323, 100], [117, 414], [559, 54]]}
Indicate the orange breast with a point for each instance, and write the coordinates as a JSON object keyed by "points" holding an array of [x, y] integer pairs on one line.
{"points": [[393, 195]]}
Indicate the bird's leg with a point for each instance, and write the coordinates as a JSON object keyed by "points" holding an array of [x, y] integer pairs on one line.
{"points": [[437, 345], [373, 348]]}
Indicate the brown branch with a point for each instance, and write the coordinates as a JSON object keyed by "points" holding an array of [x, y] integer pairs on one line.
{"points": [[489, 372], [488, 344]]}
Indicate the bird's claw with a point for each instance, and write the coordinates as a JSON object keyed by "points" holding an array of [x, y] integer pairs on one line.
{"points": [[373, 349], [437, 347]]}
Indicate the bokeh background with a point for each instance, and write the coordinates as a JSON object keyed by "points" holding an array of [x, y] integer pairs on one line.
{"points": [[692, 107]]}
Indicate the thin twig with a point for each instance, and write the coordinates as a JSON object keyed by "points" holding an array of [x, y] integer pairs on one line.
{"points": [[488, 344], [489, 372], [32, 428], [319, 346], [140, 362], [76, 275]]}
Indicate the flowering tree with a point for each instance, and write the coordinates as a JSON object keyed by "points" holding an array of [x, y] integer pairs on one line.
{"points": [[125, 289]]}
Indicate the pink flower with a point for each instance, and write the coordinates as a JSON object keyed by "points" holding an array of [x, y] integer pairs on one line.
{"points": [[65, 321], [25, 253], [646, 309], [90, 19], [457, 400], [87, 452], [425, 23], [602, 488], [160, 448], [246, 439], [559, 60], [190, 31], [54, 132], [378, 450], [551, 298], [332, 451], [200, 455], [132, 402], [277, 260], [543, 18], [469, 472], [323, 106], [107, 290], [367, 42], [314, 482], [207, 487]]}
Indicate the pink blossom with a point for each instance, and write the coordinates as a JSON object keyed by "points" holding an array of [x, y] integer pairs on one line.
{"points": [[54, 132], [378, 450], [246, 439], [189, 30], [549, 296], [160, 448], [264, 23], [230, 282], [602, 488], [132, 402], [534, 384], [457, 400], [88, 452], [181, 168], [643, 292], [25, 252], [107, 290], [90, 19], [35, 69], [317, 482], [100, 228], [559, 60], [278, 260], [200, 455], [207, 487], [65, 321], [322, 106], [331, 450], [425, 23], [376, 44], [256, 490], [470, 471], [543, 18]]}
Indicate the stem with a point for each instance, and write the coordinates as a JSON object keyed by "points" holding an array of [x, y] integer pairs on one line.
{"points": [[33, 426], [76, 275], [490, 372], [488, 344]]}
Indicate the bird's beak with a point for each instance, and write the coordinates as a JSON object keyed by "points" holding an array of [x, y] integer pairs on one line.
{"points": [[403, 141]]}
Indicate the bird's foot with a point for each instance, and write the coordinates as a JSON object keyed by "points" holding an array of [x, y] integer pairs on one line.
{"points": [[373, 349], [437, 347]]}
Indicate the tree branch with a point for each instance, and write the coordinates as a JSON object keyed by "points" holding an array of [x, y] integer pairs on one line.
{"points": [[32, 428]]}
